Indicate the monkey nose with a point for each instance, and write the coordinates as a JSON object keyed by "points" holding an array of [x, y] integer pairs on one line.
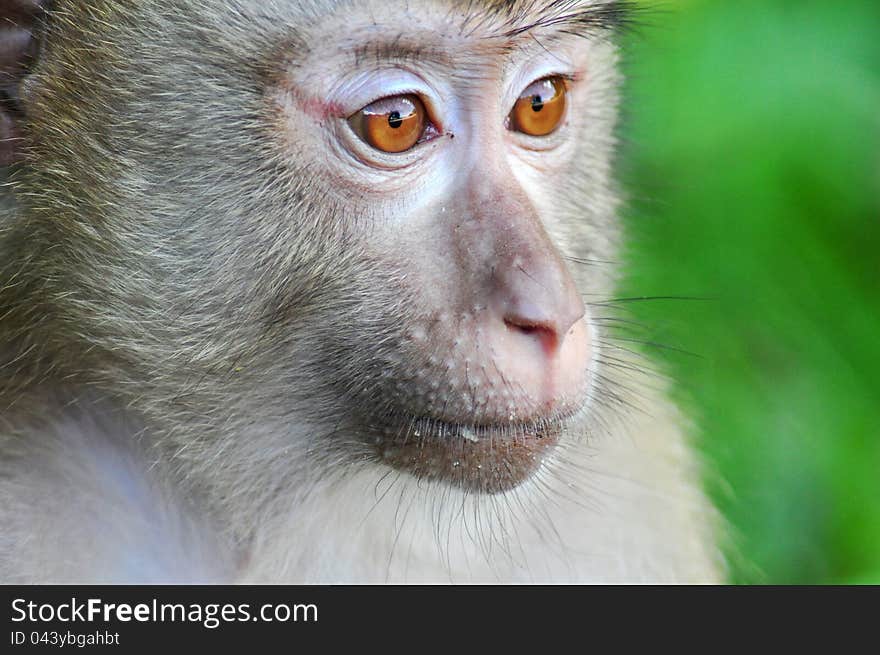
{"points": [[541, 345], [542, 305], [549, 328]]}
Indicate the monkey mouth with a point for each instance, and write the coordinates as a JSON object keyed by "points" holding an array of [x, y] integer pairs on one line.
{"points": [[485, 458]]}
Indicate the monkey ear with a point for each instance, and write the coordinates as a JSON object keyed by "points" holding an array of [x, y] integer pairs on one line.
{"points": [[18, 49]]}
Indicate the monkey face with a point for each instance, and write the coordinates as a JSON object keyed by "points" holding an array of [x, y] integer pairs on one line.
{"points": [[454, 155], [360, 228]]}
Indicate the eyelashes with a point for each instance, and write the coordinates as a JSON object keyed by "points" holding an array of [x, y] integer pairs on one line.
{"points": [[396, 124]]}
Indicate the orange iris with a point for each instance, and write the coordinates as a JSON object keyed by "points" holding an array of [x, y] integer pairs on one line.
{"points": [[391, 124], [540, 108]]}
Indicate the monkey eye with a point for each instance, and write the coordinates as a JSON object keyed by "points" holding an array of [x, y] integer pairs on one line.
{"points": [[540, 108], [393, 124]]}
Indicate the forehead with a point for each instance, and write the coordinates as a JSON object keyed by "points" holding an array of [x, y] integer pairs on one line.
{"points": [[482, 18], [456, 29]]}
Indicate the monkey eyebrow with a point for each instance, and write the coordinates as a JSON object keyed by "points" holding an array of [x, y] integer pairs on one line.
{"points": [[398, 48]]}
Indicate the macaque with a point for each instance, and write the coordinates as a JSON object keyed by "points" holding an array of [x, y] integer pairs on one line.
{"points": [[318, 291]]}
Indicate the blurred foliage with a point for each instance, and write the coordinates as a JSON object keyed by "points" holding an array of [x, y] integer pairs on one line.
{"points": [[753, 167]]}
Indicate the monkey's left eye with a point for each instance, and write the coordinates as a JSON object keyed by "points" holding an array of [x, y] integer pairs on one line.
{"points": [[393, 124], [540, 108]]}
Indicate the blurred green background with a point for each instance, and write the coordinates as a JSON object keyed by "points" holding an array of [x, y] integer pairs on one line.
{"points": [[752, 165]]}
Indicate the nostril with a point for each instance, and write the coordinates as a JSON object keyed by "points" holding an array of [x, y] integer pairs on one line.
{"points": [[544, 334], [537, 299]]}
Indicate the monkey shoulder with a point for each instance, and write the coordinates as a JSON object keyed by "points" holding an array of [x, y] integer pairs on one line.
{"points": [[81, 502]]}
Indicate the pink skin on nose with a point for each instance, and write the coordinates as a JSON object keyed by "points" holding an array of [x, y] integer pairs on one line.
{"points": [[538, 338], [551, 369]]}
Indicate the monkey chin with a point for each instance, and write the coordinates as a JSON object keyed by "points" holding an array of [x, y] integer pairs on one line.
{"points": [[486, 459]]}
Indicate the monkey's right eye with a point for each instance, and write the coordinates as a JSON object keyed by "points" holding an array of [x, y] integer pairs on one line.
{"points": [[392, 124]]}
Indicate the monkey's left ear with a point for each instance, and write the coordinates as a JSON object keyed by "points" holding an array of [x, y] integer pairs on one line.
{"points": [[19, 20]]}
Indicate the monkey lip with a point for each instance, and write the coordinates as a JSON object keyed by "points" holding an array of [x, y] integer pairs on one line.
{"points": [[487, 458]]}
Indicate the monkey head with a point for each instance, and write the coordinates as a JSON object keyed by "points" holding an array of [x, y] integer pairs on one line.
{"points": [[327, 235]]}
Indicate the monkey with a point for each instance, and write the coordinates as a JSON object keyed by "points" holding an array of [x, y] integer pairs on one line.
{"points": [[321, 291]]}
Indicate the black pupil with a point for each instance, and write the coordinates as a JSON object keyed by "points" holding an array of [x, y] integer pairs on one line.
{"points": [[537, 103], [394, 119]]}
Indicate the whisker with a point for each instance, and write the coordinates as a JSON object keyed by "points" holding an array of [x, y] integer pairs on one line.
{"points": [[633, 299]]}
